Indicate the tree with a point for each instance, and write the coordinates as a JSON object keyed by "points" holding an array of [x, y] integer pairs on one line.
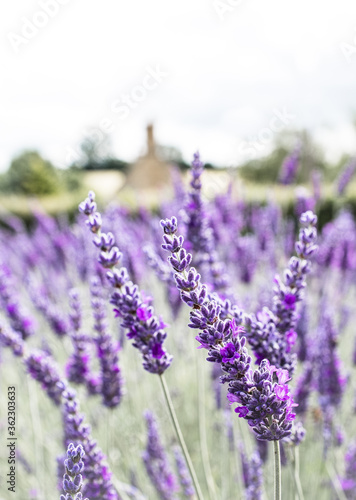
{"points": [[31, 174]]}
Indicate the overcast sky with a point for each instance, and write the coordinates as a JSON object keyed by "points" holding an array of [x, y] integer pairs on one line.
{"points": [[221, 76]]}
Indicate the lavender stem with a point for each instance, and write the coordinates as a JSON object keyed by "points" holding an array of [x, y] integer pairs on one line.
{"points": [[202, 431], [37, 432], [335, 482], [296, 473], [277, 471], [180, 437]]}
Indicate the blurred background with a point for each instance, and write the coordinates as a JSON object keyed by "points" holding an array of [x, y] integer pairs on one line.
{"points": [[110, 95]]}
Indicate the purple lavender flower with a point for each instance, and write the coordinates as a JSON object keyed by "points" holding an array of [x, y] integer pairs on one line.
{"points": [[183, 474], [97, 473], [289, 167], [42, 368], [348, 482], [163, 272], [246, 256], [345, 177], [12, 339], [289, 293], [316, 181], [302, 333], [252, 475], [264, 223], [76, 309], [156, 462], [77, 368], [304, 388], [146, 330], [339, 437], [72, 479], [330, 380], [199, 236], [338, 246], [297, 435], [304, 201], [215, 379], [110, 382], [19, 318], [53, 314], [262, 447], [271, 334], [266, 405]]}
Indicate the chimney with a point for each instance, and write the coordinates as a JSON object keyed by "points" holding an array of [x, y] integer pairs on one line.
{"points": [[151, 147]]}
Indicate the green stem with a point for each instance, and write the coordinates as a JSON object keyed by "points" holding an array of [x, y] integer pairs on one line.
{"points": [[202, 431], [336, 483], [37, 430], [296, 473], [277, 471], [180, 437]]}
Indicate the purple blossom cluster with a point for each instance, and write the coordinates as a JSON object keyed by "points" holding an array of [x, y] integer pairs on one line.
{"points": [[163, 272], [19, 318], [42, 368], [78, 364], [331, 382], [136, 313], [345, 177], [272, 334], [338, 245], [156, 462], [97, 473], [110, 381], [72, 479], [252, 475], [185, 480], [11, 339], [290, 167], [199, 237], [55, 316], [348, 482], [266, 405]]}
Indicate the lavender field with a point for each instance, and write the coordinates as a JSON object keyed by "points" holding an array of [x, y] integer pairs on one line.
{"points": [[184, 350]]}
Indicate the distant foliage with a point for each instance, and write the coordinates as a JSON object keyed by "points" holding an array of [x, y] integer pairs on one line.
{"points": [[267, 169], [31, 174]]}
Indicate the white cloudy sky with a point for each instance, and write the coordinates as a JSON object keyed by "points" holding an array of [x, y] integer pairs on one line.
{"points": [[225, 75]]}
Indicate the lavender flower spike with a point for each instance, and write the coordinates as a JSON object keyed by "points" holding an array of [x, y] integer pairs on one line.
{"points": [[42, 368], [348, 483], [272, 334], [77, 367], [12, 339], [199, 236], [137, 315], [97, 473], [252, 475], [345, 177], [156, 462], [287, 294], [110, 381], [72, 479], [183, 474], [263, 394], [289, 167]]}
